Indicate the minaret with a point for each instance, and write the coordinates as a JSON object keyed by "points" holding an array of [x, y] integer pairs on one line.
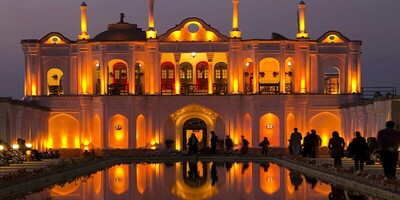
{"points": [[235, 32], [302, 34], [84, 35], [151, 31]]}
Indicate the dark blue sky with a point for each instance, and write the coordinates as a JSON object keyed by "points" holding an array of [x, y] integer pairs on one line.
{"points": [[373, 22]]}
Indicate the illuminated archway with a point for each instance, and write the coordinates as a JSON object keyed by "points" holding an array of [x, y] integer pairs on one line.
{"points": [[63, 132], [140, 132], [269, 76], [269, 127], [247, 127], [331, 81], [55, 82], [325, 123], [118, 132], [289, 73], [290, 125], [183, 114], [96, 138], [270, 181], [118, 73], [248, 75], [119, 178], [141, 178]]}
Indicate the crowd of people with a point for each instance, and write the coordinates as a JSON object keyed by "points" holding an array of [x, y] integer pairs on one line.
{"points": [[387, 144]]}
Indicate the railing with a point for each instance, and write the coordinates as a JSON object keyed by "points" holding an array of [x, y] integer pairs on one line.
{"points": [[118, 89], [331, 88], [56, 89], [374, 92], [269, 88], [167, 89], [288, 88], [248, 89], [220, 88]]}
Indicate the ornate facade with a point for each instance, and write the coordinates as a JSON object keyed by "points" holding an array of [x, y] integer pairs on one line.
{"points": [[129, 88]]}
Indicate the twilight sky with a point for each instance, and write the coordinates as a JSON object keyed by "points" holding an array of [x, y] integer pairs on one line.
{"points": [[374, 22]]}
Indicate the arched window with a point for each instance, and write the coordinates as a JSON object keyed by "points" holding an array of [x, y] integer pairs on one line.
{"points": [[167, 77], [202, 76], [220, 78], [186, 73], [139, 78], [119, 85], [331, 81]]}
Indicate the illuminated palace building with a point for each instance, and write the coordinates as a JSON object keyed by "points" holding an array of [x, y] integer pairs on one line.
{"points": [[128, 88]]}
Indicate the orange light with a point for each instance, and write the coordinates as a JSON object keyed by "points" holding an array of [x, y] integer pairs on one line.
{"points": [[151, 34], [33, 90], [84, 86], [354, 86]]}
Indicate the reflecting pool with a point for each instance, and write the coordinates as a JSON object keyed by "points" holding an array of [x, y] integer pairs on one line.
{"points": [[195, 180]]}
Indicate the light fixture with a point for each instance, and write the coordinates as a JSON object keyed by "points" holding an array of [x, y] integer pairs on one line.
{"points": [[29, 145], [270, 126], [262, 74], [118, 127], [1, 147], [275, 73], [193, 54], [97, 64], [289, 64], [247, 65], [15, 146]]}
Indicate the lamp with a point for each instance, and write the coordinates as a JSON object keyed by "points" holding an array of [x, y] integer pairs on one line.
{"points": [[1, 147], [118, 127], [193, 54], [29, 145], [270, 126], [15, 146]]}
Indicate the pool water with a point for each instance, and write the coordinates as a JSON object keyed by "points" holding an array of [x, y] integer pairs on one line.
{"points": [[196, 180]]}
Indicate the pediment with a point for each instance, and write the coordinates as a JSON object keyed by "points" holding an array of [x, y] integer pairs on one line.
{"points": [[333, 37], [54, 38], [193, 29]]}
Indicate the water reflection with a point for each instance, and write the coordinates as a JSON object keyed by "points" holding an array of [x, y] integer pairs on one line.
{"points": [[196, 180]]}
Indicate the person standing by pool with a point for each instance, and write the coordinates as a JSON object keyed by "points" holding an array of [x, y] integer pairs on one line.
{"points": [[295, 142], [264, 146], [228, 143], [336, 148], [192, 143], [389, 141], [245, 146], [213, 140], [359, 149]]}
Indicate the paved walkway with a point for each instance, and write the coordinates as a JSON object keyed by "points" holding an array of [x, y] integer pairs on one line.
{"points": [[28, 165]]}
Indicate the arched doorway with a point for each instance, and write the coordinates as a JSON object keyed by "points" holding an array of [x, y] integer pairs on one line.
{"points": [[119, 80], [196, 126]]}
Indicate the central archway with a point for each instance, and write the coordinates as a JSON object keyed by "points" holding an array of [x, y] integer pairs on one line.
{"points": [[196, 126]]}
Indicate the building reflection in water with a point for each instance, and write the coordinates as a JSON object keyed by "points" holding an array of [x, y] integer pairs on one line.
{"points": [[192, 180]]}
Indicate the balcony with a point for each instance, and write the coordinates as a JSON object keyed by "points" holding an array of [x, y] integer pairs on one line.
{"points": [[269, 88], [56, 90], [118, 89]]}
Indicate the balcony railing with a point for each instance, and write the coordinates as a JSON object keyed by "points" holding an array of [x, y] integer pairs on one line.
{"points": [[220, 88], [56, 90], [269, 88], [118, 89], [288, 88]]}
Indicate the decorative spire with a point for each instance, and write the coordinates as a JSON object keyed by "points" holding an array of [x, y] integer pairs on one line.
{"points": [[301, 20], [84, 35], [151, 31], [235, 32]]}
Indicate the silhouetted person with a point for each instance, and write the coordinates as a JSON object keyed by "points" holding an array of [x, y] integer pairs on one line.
{"points": [[336, 148], [359, 149], [214, 176], [245, 146], [228, 166], [389, 141], [245, 166], [337, 193], [193, 171], [307, 145], [264, 146], [193, 144], [213, 140], [295, 142], [295, 179], [315, 142], [228, 143]]}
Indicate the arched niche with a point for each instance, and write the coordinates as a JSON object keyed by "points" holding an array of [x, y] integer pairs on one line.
{"points": [[290, 125], [269, 71], [141, 132], [97, 135], [63, 132], [118, 132], [269, 127], [325, 123]]}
